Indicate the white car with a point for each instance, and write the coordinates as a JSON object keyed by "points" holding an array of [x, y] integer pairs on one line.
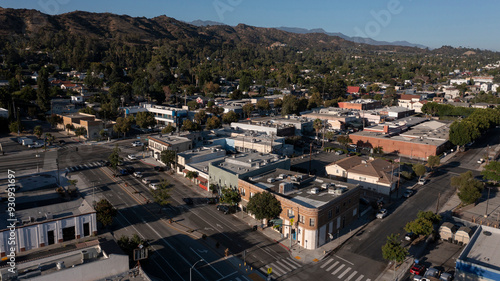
{"points": [[132, 157], [422, 181], [137, 143], [154, 185], [138, 175], [382, 213], [145, 181], [480, 161]]}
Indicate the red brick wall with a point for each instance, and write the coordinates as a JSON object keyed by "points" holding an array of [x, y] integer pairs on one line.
{"points": [[414, 150]]}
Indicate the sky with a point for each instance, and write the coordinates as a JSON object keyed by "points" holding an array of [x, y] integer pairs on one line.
{"points": [[457, 23]]}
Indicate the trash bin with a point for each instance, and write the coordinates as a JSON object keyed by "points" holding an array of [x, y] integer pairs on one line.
{"points": [[254, 228]]}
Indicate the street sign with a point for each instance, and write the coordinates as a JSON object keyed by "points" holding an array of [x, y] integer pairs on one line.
{"points": [[140, 254], [291, 221], [270, 270]]}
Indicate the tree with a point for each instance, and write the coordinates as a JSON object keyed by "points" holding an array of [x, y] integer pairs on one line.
{"points": [[50, 138], [344, 140], [54, 120], [167, 157], [200, 117], [263, 104], [213, 123], [103, 133], [248, 108], [230, 117], [419, 170], [129, 244], [230, 196], [42, 92], [70, 127], [38, 131], [492, 171], [189, 125], [168, 129], [378, 150], [277, 103], [430, 216], [145, 119], [290, 105], [463, 132], [469, 188], [16, 126], [192, 105], [161, 196], [393, 250], [80, 131], [420, 226], [433, 161], [114, 157], [317, 125], [329, 135], [105, 212], [123, 125], [315, 101], [191, 175], [264, 206]]}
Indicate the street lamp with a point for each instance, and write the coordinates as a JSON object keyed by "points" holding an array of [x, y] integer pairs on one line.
{"points": [[487, 201], [190, 270]]}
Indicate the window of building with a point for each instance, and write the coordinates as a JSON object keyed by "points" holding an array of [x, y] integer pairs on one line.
{"points": [[337, 209], [290, 212], [362, 178], [251, 194], [301, 219], [242, 192], [354, 212], [330, 214], [312, 222]]}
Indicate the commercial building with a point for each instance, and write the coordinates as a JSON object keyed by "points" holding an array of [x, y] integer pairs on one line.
{"points": [[226, 173], [361, 104], [373, 174], [411, 137], [159, 143], [314, 210], [198, 160], [92, 125], [269, 128], [480, 259], [164, 115]]}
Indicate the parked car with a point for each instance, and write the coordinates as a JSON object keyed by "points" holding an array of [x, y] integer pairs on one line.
{"points": [[138, 175], [37, 144], [130, 169], [410, 236], [211, 200], [188, 201], [431, 272], [339, 152], [226, 209], [132, 157], [137, 143], [154, 185], [382, 213], [123, 172], [445, 276], [422, 181], [417, 269], [62, 142], [408, 193], [159, 168], [480, 161], [145, 180]]}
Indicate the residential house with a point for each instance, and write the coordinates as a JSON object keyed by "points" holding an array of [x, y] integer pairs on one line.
{"points": [[451, 92]]}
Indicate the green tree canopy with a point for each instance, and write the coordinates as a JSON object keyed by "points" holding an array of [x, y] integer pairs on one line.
{"points": [[492, 171], [161, 196], [433, 161], [80, 131], [188, 125], [344, 140], [200, 117], [419, 170], [167, 157], [230, 196], [393, 250], [145, 119], [230, 117], [248, 108], [317, 125], [420, 226], [469, 188], [114, 157], [213, 123], [123, 125], [38, 131], [168, 129], [463, 132], [263, 104], [264, 206], [430, 216], [105, 212]]}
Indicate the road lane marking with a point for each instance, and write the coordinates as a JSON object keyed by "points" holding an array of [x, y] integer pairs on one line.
{"points": [[351, 276], [344, 273], [209, 264], [330, 268], [287, 262], [338, 269], [345, 260], [326, 263]]}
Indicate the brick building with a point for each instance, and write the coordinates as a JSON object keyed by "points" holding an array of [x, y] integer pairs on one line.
{"points": [[314, 209], [361, 104]]}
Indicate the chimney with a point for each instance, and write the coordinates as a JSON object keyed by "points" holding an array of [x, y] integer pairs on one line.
{"points": [[386, 129]]}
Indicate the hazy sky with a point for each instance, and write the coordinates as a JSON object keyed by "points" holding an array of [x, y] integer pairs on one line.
{"points": [[463, 23]]}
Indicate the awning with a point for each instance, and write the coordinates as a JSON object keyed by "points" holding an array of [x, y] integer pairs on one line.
{"points": [[202, 180]]}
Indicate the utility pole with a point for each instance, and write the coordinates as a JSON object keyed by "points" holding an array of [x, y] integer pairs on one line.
{"points": [[487, 202], [310, 157]]}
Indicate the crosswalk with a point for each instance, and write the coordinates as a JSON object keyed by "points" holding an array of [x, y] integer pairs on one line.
{"points": [[342, 270], [89, 165], [280, 267]]}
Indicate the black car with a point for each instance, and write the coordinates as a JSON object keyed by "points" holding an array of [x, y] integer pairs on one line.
{"points": [[212, 200], [188, 201], [159, 168], [62, 142], [130, 169], [107, 163], [226, 209]]}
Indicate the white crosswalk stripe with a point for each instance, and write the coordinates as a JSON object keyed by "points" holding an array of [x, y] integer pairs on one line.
{"points": [[344, 273], [276, 269], [351, 276], [330, 268], [338, 269], [360, 277], [281, 267], [326, 263], [290, 263]]}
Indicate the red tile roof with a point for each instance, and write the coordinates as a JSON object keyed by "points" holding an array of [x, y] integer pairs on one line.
{"points": [[352, 89]]}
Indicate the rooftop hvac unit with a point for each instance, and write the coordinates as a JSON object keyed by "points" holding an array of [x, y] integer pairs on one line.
{"points": [[60, 265], [315, 190], [331, 190]]}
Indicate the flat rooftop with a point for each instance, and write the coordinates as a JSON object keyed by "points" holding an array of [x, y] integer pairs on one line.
{"points": [[484, 248], [169, 139], [245, 162], [302, 186], [188, 154], [48, 212]]}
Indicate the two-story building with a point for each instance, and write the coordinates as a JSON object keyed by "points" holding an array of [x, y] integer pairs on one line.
{"points": [[314, 210], [159, 143]]}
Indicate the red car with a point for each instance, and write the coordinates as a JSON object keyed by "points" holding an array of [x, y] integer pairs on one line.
{"points": [[417, 269]]}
